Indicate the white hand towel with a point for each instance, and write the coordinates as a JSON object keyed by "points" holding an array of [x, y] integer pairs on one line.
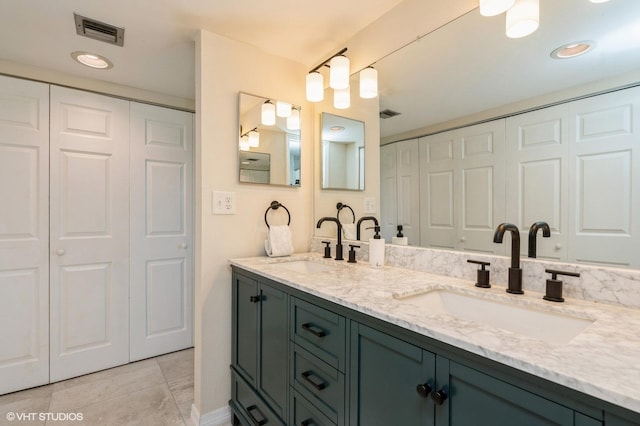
{"points": [[278, 242], [349, 231]]}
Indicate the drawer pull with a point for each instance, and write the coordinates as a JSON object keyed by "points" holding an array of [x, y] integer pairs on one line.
{"points": [[307, 376], [256, 299], [261, 421], [307, 422], [314, 329]]}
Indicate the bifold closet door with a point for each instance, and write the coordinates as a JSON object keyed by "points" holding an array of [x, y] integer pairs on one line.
{"points": [[89, 264], [161, 230], [24, 234]]}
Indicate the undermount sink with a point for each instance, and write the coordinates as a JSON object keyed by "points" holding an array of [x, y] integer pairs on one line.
{"points": [[304, 266], [552, 327]]}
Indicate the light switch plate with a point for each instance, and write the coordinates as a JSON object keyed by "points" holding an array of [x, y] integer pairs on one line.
{"points": [[370, 205], [223, 202]]}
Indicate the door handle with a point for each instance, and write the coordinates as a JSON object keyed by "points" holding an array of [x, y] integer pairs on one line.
{"points": [[60, 252], [182, 245]]}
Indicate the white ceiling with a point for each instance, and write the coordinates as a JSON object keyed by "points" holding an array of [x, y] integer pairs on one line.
{"points": [[158, 52]]}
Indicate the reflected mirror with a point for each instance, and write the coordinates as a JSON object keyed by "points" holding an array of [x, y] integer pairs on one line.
{"points": [[269, 141], [342, 153], [469, 67]]}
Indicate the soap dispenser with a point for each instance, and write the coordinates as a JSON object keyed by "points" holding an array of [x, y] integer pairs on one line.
{"points": [[376, 249], [400, 239]]}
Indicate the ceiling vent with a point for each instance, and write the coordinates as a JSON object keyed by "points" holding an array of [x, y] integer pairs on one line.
{"points": [[388, 113], [99, 30]]}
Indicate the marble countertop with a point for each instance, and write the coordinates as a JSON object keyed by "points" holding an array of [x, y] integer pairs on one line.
{"points": [[601, 361]]}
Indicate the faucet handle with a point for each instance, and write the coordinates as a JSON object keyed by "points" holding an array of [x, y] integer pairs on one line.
{"points": [[352, 253], [483, 275], [554, 285], [327, 249]]}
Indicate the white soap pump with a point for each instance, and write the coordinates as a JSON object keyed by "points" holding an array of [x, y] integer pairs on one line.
{"points": [[376, 249]]}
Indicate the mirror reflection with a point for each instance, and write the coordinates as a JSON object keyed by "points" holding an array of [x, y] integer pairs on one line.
{"points": [[343, 154], [269, 141], [492, 76]]}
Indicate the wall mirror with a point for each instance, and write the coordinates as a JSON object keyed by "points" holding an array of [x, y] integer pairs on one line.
{"points": [[430, 85], [342, 153], [268, 141]]}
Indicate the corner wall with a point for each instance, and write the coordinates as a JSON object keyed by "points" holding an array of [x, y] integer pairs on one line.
{"points": [[224, 68]]}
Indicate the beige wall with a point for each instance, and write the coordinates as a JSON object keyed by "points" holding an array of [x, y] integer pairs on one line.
{"points": [[224, 68]]}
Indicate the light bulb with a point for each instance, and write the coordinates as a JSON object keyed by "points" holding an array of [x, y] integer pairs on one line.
{"points": [[293, 121], [254, 139], [283, 109], [268, 114], [368, 83], [495, 7], [341, 98], [523, 18], [339, 72], [315, 87]]}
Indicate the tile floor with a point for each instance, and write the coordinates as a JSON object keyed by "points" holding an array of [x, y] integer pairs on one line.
{"points": [[156, 391]]}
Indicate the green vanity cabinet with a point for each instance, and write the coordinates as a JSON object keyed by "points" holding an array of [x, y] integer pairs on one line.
{"points": [[260, 346]]}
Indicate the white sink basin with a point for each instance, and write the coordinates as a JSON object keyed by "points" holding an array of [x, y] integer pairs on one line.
{"points": [[304, 266], [555, 328]]}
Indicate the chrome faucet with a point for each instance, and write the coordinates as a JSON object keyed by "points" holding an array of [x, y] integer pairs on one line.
{"points": [[362, 219], [533, 231], [339, 243], [515, 273]]}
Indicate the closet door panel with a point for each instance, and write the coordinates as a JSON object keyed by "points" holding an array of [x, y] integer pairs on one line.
{"points": [[89, 232], [388, 191], [24, 234], [161, 231]]}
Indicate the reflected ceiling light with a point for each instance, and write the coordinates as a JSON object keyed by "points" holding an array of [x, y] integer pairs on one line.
{"points": [[495, 7], [92, 60], [254, 138], [293, 121], [315, 87], [598, 1], [342, 98], [268, 114], [339, 72], [368, 83], [283, 109], [244, 143], [571, 50], [523, 18], [337, 128]]}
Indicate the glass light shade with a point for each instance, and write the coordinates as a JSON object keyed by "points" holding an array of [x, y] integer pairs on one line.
{"points": [[342, 98], [244, 143], [283, 109], [523, 18], [495, 7], [293, 121], [315, 87], [254, 139], [368, 83], [339, 72], [268, 114]]}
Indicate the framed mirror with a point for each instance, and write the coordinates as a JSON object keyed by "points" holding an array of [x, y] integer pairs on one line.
{"points": [[269, 141], [343, 156]]}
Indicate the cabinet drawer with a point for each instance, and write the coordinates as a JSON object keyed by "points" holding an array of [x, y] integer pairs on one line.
{"points": [[320, 383], [320, 331], [248, 406], [303, 413]]}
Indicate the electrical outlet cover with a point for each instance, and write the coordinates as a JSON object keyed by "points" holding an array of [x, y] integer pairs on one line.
{"points": [[223, 202]]}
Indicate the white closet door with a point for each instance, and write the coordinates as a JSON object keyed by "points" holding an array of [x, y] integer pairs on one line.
{"points": [[605, 179], [408, 191], [89, 232], [538, 172], [388, 191], [24, 234], [161, 230]]}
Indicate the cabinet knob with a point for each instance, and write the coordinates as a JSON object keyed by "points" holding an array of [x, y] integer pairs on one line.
{"points": [[438, 397], [60, 252], [423, 390], [256, 299]]}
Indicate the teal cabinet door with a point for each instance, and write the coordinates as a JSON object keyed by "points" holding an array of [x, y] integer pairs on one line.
{"points": [[274, 361], [384, 375], [245, 327], [473, 398]]}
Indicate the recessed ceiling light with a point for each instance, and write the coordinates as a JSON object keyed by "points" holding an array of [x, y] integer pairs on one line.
{"points": [[571, 50], [599, 1], [92, 60], [336, 128]]}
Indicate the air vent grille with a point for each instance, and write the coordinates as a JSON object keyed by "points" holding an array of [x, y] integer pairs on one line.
{"points": [[388, 113], [99, 30]]}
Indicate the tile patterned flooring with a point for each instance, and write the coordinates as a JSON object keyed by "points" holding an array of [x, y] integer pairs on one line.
{"points": [[155, 392]]}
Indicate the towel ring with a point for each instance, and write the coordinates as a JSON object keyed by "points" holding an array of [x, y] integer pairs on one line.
{"points": [[341, 206], [275, 205]]}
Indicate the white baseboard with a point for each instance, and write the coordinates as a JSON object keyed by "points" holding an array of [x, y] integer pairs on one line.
{"points": [[219, 417]]}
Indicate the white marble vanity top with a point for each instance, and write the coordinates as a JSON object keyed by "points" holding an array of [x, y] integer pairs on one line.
{"points": [[602, 361]]}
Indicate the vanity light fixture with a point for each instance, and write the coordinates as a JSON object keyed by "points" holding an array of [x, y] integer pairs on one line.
{"points": [[244, 143], [523, 18], [283, 109], [252, 138], [293, 121], [368, 83], [495, 7], [339, 72], [342, 98], [571, 50], [315, 86], [268, 117], [92, 60]]}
